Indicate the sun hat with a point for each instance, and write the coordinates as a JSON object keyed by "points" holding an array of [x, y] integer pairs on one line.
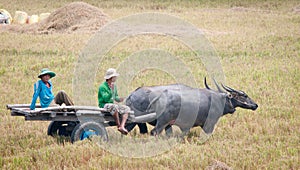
{"points": [[45, 71], [111, 72]]}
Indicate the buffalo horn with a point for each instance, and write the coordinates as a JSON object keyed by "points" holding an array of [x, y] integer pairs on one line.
{"points": [[219, 89], [206, 84], [227, 88]]}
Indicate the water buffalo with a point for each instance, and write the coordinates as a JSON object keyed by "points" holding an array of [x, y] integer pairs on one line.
{"points": [[187, 107]]}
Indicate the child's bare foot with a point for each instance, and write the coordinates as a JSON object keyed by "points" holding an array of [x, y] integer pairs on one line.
{"points": [[122, 130]]}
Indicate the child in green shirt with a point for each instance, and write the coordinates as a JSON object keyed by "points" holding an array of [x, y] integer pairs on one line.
{"points": [[108, 94]]}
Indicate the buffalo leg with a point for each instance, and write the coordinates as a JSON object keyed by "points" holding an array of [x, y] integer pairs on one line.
{"points": [[184, 131], [169, 130], [161, 124], [142, 126], [130, 126]]}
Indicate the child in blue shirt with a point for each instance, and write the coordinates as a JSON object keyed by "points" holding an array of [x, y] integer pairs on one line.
{"points": [[43, 90]]}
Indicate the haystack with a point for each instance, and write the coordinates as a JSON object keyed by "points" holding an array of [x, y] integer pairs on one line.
{"points": [[73, 17], [76, 16]]}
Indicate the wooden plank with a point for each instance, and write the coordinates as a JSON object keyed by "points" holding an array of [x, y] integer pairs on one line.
{"points": [[18, 111], [70, 109], [46, 117], [23, 107], [10, 106], [61, 108]]}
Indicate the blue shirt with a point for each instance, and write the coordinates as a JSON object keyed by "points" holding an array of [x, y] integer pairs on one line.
{"points": [[43, 92]]}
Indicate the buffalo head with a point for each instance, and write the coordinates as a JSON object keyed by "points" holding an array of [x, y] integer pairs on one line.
{"points": [[241, 99], [236, 97]]}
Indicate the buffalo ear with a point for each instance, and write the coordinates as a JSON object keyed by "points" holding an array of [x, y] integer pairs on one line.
{"points": [[224, 95]]}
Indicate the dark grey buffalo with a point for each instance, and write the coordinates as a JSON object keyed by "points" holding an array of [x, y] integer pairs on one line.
{"points": [[185, 106]]}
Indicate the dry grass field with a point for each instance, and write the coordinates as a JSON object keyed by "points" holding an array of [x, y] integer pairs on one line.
{"points": [[258, 43]]}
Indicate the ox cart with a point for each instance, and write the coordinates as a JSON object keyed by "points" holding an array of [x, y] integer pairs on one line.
{"points": [[77, 122]]}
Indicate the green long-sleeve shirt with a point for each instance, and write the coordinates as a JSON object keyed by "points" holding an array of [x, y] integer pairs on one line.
{"points": [[106, 95]]}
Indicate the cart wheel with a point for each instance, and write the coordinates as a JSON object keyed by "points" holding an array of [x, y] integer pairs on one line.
{"points": [[61, 128], [87, 130]]}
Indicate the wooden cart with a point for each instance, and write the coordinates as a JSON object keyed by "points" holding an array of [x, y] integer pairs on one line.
{"points": [[77, 122]]}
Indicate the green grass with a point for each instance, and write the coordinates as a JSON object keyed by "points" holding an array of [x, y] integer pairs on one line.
{"points": [[259, 49]]}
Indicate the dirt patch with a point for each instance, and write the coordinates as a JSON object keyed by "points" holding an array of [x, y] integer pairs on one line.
{"points": [[74, 17]]}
